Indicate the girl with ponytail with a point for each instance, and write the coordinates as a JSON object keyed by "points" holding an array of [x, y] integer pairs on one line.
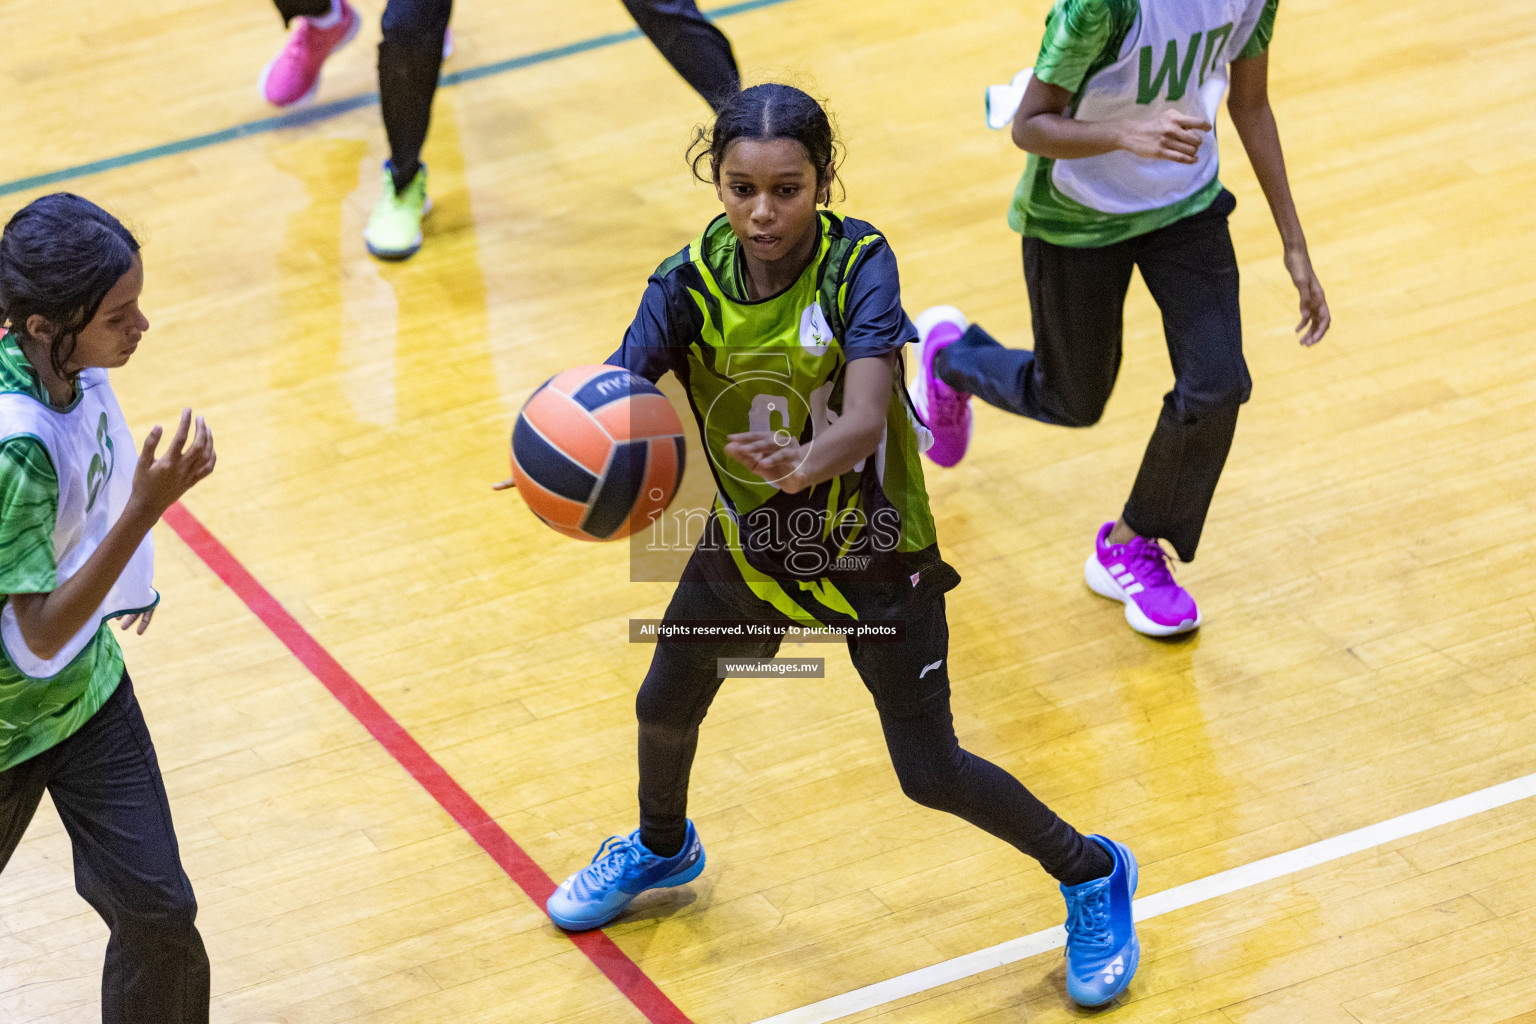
{"points": [[784, 325]]}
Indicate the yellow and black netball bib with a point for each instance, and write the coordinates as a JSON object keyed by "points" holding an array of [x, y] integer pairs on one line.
{"points": [[778, 365]]}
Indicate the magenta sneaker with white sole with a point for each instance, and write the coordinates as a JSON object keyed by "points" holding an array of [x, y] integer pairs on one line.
{"points": [[293, 76], [1137, 575], [946, 411]]}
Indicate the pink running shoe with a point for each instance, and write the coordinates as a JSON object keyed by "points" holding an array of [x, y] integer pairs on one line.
{"points": [[1137, 575], [946, 411], [293, 76]]}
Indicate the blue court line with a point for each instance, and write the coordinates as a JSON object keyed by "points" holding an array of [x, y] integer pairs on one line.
{"points": [[326, 111]]}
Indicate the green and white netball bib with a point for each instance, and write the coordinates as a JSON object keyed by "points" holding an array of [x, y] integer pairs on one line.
{"points": [[1174, 58], [93, 455]]}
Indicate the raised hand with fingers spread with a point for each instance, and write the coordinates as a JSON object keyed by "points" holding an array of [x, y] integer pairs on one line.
{"points": [[159, 482]]}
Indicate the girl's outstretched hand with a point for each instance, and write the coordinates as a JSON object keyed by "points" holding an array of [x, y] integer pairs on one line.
{"points": [[159, 481], [1315, 317]]}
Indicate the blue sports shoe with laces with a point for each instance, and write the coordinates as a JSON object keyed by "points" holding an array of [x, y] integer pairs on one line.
{"points": [[621, 869], [1102, 949]]}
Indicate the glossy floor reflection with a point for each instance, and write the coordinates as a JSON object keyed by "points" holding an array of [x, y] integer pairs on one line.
{"points": [[1368, 575]]}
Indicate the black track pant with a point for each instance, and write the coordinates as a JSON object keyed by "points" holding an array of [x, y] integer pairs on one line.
{"points": [[105, 784], [411, 56], [1077, 299], [910, 685]]}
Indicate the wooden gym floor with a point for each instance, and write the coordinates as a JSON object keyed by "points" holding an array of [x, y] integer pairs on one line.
{"points": [[1368, 576]]}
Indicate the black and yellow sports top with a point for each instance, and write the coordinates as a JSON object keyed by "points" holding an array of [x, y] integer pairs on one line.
{"points": [[779, 364]]}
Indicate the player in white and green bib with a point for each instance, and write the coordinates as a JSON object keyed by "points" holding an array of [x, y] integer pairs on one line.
{"points": [[77, 501], [1122, 176], [785, 327]]}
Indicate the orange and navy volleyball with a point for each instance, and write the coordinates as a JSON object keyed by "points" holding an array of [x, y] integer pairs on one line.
{"points": [[597, 452]]}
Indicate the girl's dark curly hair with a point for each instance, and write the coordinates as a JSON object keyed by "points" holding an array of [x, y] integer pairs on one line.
{"points": [[59, 256]]}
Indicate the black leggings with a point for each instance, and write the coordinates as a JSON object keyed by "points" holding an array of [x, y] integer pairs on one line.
{"points": [[411, 55], [910, 684], [105, 784], [1076, 298], [692, 44]]}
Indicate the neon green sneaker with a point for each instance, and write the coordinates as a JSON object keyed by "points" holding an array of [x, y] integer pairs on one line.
{"points": [[394, 228]]}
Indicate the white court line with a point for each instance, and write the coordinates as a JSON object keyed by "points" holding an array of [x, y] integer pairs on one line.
{"points": [[1167, 901]]}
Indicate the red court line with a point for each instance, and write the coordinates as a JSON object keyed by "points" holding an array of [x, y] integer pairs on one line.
{"points": [[521, 868]]}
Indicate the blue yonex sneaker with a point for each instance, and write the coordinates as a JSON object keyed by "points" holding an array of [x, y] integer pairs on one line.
{"points": [[1102, 948], [621, 869]]}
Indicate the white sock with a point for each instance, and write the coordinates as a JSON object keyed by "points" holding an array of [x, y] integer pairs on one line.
{"points": [[329, 20]]}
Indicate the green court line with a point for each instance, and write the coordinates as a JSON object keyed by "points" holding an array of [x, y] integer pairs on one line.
{"points": [[326, 111]]}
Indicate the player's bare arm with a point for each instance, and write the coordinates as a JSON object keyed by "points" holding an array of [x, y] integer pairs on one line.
{"points": [[1040, 127], [1254, 119]]}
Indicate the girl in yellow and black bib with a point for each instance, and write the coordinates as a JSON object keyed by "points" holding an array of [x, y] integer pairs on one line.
{"points": [[785, 327]]}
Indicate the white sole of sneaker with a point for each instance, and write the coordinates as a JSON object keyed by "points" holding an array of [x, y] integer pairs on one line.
{"points": [[926, 321], [1105, 585], [931, 317], [314, 90], [393, 255]]}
